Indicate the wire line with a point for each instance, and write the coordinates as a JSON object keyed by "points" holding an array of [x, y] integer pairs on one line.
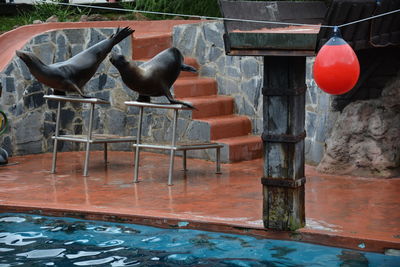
{"points": [[230, 19]]}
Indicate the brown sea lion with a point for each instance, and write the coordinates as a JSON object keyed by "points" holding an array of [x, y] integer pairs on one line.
{"points": [[71, 75], [154, 77]]}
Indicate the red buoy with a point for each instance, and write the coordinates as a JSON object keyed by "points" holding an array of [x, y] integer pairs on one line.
{"points": [[336, 67]]}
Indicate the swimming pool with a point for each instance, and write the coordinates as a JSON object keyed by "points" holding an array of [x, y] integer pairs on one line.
{"points": [[32, 240]]}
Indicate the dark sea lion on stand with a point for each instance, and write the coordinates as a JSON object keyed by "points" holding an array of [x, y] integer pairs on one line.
{"points": [[154, 77], [71, 75]]}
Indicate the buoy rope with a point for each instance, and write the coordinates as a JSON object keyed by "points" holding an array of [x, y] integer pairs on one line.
{"points": [[229, 19]]}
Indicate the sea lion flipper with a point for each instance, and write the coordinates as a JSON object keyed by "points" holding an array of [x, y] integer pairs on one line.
{"points": [[188, 68], [143, 98], [174, 101]]}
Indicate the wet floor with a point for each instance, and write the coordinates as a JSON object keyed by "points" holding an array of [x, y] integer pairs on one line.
{"points": [[352, 212]]}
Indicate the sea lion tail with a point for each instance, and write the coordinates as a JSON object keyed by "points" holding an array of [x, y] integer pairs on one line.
{"points": [[188, 68], [121, 35]]}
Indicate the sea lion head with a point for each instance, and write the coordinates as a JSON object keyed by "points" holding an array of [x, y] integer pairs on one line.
{"points": [[118, 60], [27, 57]]}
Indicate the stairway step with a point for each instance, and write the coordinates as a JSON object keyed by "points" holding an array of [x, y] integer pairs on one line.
{"points": [[195, 86], [147, 46], [228, 126], [241, 148], [210, 106]]}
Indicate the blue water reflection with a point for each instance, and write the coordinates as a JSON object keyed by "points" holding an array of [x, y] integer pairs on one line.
{"points": [[31, 240]]}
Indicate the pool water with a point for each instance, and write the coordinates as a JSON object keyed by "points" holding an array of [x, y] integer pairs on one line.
{"points": [[31, 240]]}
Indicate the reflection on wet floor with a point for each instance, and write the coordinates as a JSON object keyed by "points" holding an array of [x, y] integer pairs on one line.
{"points": [[344, 211]]}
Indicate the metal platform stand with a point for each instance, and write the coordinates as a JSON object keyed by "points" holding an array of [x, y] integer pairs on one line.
{"points": [[88, 138], [174, 145]]}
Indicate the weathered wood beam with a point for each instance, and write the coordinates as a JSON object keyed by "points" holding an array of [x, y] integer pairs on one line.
{"points": [[283, 136]]}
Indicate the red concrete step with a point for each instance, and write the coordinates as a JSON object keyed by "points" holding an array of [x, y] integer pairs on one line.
{"points": [[228, 126], [149, 45], [210, 106], [242, 148], [195, 86]]}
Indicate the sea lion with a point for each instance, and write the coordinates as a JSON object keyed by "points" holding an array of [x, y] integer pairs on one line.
{"points": [[3, 156], [154, 77], [71, 75]]}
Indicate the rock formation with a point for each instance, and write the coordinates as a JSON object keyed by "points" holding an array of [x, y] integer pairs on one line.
{"points": [[366, 138]]}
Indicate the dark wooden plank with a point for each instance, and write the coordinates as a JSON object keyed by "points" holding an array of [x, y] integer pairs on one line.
{"points": [[278, 41]]}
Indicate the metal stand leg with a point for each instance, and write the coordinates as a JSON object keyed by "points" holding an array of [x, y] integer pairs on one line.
{"points": [[138, 137], [172, 156], [105, 154], [218, 160], [89, 138], [184, 160], [53, 165]]}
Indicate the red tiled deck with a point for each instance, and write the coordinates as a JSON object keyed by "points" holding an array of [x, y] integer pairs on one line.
{"points": [[351, 212]]}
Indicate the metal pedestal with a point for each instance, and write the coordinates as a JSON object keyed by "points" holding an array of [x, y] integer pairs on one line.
{"points": [[88, 138], [174, 145]]}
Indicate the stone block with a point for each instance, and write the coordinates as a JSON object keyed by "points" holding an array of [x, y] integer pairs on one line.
{"points": [[49, 129], [66, 118], [214, 53], [213, 33], [201, 51], [198, 131], [116, 121], [9, 84], [30, 148], [310, 127], [76, 49], [34, 87], [249, 67], [252, 88], [61, 49], [28, 128], [95, 37], [75, 36], [9, 68], [33, 101], [42, 38], [208, 71], [188, 40]]}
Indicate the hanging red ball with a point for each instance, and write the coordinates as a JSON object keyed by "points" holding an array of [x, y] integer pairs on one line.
{"points": [[336, 67]]}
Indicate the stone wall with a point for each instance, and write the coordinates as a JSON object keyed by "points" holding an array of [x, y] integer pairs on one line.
{"points": [[241, 77]]}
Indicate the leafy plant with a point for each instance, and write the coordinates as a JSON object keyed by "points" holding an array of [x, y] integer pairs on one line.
{"points": [[43, 10], [187, 7]]}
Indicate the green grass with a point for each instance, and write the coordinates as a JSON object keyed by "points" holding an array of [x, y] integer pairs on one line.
{"points": [[7, 23]]}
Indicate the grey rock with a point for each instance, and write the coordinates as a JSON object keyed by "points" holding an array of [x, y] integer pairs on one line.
{"points": [[116, 121], [76, 49], [9, 84], [198, 130], [75, 36], [28, 128], [62, 52], [249, 67], [42, 38], [33, 101], [365, 139], [213, 33], [207, 71], [201, 51], [9, 69]]}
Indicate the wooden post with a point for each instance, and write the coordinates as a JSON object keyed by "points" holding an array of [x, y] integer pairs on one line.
{"points": [[283, 136]]}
